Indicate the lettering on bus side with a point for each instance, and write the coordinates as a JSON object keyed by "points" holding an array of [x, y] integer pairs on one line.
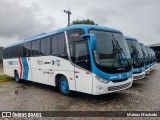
{"points": [[12, 62], [53, 62], [40, 62], [76, 35], [46, 72], [58, 62], [47, 62]]}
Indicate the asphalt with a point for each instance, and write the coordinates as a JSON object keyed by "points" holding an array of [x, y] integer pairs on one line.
{"points": [[144, 95]]}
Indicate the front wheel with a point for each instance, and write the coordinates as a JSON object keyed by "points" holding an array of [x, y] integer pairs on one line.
{"points": [[16, 75], [64, 86]]}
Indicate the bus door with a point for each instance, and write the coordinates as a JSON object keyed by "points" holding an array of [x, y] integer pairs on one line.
{"points": [[82, 69]]}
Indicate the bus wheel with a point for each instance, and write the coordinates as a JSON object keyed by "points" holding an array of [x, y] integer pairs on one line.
{"points": [[16, 75], [63, 86]]}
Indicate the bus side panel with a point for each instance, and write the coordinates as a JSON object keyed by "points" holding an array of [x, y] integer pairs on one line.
{"points": [[45, 68], [61, 66], [37, 70], [10, 65]]}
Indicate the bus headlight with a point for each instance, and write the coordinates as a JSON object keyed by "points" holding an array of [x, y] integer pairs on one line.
{"points": [[102, 80]]}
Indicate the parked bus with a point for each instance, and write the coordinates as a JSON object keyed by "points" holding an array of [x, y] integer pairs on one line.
{"points": [[84, 58], [150, 57], [137, 58], [145, 58], [153, 59]]}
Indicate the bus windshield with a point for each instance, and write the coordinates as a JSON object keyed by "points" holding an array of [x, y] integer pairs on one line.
{"points": [[138, 48], [136, 51], [144, 51], [148, 51], [112, 49]]}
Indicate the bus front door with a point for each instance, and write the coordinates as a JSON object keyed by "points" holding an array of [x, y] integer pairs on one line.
{"points": [[83, 74]]}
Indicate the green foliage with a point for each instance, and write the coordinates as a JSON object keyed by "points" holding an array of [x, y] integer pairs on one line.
{"points": [[87, 21], [5, 77]]}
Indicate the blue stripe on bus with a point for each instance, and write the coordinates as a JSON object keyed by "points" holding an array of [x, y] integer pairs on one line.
{"points": [[25, 68]]}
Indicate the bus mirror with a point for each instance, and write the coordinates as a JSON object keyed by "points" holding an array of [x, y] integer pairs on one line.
{"points": [[92, 40]]}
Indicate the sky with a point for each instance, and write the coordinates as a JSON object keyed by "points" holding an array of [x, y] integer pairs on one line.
{"points": [[20, 19]]}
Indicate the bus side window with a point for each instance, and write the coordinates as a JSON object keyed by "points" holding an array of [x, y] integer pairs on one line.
{"points": [[45, 46], [19, 51], [36, 48], [27, 49], [81, 55], [58, 45]]}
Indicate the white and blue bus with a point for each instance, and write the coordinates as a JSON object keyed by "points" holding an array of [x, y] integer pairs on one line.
{"points": [[145, 58], [149, 57], [137, 58], [84, 58], [153, 58]]}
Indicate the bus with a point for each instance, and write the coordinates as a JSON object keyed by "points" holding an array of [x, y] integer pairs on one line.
{"points": [[145, 58], [153, 58], [149, 57], [137, 58], [84, 58]]}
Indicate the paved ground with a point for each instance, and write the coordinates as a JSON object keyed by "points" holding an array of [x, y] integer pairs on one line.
{"points": [[143, 95]]}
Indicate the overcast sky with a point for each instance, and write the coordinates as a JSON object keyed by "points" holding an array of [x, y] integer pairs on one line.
{"points": [[20, 19]]}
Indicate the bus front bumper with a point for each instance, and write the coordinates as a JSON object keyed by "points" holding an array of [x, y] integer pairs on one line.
{"points": [[101, 88], [147, 71], [154, 65], [139, 76], [151, 68]]}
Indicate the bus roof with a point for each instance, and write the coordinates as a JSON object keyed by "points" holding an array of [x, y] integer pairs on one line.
{"points": [[83, 26], [141, 43], [130, 38]]}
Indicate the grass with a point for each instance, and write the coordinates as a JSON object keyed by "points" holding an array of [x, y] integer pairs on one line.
{"points": [[1, 68], [5, 78]]}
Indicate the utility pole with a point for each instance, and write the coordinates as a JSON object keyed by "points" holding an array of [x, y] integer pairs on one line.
{"points": [[68, 13]]}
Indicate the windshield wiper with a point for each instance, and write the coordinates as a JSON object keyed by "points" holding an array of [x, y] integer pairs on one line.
{"points": [[136, 54], [118, 51], [115, 52], [121, 51]]}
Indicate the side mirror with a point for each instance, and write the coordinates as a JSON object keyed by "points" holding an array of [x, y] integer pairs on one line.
{"points": [[92, 40]]}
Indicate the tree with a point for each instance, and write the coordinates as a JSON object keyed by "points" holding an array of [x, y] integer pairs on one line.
{"points": [[87, 21]]}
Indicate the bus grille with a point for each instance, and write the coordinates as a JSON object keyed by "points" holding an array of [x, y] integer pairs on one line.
{"points": [[114, 88], [138, 77], [137, 72]]}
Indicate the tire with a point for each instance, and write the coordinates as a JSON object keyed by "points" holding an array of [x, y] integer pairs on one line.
{"points": [[64, 86], [16, 76]]}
